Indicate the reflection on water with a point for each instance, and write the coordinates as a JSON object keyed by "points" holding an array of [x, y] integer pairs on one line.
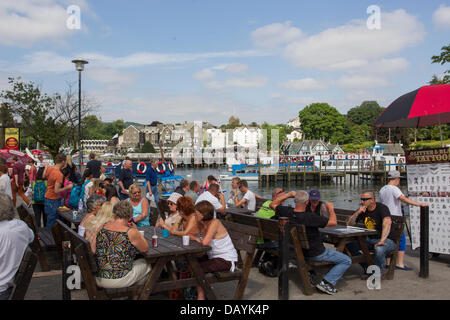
{"points": [[342, 195]]}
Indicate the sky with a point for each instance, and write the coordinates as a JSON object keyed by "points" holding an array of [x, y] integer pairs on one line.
{"points": [[206, 60]]}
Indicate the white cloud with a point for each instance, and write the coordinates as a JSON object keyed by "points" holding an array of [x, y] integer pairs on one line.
{"points": [[441, 17], [303, 101], [275, 34], [25, 22], [110, 76], [252, 82], [204, 74], [361, 82], [306, 84], [232, 68], [353, 45]]}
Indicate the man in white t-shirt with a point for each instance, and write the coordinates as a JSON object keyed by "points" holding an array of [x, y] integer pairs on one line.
{"points": [[392, 197], [214, 197], [14, 239], [248, 198], [5, 181]]}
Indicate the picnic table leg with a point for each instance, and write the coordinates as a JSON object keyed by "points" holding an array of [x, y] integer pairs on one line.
{"points": [[200, 276], [365, 250], [152, 278], [341, 245]]}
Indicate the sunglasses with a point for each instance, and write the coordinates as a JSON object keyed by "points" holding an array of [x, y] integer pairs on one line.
{"points": [[137, 192], [172, 204], [365, 199]]}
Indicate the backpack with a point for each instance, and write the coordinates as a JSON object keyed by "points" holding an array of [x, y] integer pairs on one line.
{"points": [[39, 190], [76, 194], [268, 266]]}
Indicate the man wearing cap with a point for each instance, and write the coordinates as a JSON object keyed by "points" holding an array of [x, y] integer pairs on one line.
{"points": [[392, 197], [318, 207]]}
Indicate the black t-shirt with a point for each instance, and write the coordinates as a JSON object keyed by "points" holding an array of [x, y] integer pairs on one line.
{"points": [[312, 222], [94, 166], [374, 219], [126, 176]]}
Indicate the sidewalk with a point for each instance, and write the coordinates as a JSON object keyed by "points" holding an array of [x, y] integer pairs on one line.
{"points": [[407, 285]]}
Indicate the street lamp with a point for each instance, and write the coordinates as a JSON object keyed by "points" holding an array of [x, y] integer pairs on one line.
{"points": [[79, 66]]}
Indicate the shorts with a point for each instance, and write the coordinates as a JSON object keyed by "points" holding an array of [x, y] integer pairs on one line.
{"points": [[402, 243], [214, 265]]}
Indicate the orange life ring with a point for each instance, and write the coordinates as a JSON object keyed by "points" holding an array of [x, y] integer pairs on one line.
{"points": [[143, 170]]}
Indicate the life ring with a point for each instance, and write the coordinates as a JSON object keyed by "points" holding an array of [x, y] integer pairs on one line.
{"points": [[400, 161], [143, 170], [109, 164], [302, 158], [170, 166], [311, 159], [161, 168]]}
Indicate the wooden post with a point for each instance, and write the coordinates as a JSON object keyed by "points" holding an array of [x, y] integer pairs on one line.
{"points": [[320, 168], [424, 242], [304, 170], [66, 261], [283, 278], [289, 172], [345, 170]]}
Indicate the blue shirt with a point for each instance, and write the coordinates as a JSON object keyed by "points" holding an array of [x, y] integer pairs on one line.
{"points": [[151, 176]]}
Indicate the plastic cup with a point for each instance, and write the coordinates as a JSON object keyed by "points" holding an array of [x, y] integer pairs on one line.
{"points": [[142, 232], [165, 233], [185, 240], [75, 214]]}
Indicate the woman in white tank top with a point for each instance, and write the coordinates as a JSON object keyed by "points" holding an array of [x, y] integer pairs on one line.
{"points": [[223, 255]]}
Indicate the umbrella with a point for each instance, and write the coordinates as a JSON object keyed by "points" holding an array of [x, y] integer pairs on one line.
{"points": [[7, 154], [426, 106]]}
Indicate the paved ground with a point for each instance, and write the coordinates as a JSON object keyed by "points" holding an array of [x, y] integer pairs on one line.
{"points": [[407, 285]]}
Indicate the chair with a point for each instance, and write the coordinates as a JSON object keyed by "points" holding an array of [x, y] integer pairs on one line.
{"points": [[43, 240], [23, 275], [398, 223], [88, 267]]}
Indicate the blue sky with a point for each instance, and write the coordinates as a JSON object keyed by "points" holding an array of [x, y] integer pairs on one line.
{"points": [[176, 61]]}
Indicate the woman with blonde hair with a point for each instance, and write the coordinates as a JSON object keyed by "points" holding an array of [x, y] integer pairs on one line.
{"points": [[140, 206], [104, 215]]}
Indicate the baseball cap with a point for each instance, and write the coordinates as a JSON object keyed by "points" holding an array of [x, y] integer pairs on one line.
{"points": [[174, 197], [393, 174], [314, 194]]}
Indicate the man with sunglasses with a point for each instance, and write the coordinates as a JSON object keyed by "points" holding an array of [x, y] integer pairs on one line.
{"points": [[375, 216]]}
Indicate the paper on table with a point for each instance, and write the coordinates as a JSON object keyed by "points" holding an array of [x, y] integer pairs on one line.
{"points": [[355, 228]]}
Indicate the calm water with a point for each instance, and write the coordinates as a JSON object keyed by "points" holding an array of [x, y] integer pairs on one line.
{"points": [[342, 195]]}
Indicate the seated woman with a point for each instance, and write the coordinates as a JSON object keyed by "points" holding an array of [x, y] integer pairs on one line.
{"points": [[173, 215], [222, 255], [186, 223], [104, 215], [111, 194], [140, 206], [93, 205], [116, 247]]}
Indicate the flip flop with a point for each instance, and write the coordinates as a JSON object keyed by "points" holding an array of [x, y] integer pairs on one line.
{"points": [[405, 268]]}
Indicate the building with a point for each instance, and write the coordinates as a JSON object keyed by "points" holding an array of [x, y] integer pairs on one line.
{"points": [[95, 146], [296, 134], [295, 123], [310, 147], [247, 137]]}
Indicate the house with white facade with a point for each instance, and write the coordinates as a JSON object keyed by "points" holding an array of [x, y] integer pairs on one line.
{"points": [[295, 134], [294, 123], [247, 137]]}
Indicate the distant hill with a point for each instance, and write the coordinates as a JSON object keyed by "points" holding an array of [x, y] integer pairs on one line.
{"points": [[127, 124]]}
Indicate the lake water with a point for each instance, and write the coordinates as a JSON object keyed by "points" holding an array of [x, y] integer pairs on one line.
{"points": [[343, 196]]}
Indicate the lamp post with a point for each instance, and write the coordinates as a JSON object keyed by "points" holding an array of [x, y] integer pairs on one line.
{"points": [[79, 65]]}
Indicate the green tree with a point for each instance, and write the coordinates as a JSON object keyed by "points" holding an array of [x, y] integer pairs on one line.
{"points": [[322, 121], [443, 58], [267, 136], [148, 148], [365, 114], [39, 113]]}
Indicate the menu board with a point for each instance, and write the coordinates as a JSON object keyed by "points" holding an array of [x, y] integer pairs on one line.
{"points": [[428, 173]]}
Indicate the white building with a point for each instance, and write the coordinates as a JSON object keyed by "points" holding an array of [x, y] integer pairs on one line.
{"points": [[95, 146], [295, 134], [247, 137], [216, 138], [294, 123]]}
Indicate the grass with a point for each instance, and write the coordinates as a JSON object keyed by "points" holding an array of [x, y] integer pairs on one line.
{"points": [[428, 144]]}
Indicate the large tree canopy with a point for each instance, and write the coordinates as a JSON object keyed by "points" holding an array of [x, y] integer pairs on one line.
{"points": [[365, 114], [322, 121]]}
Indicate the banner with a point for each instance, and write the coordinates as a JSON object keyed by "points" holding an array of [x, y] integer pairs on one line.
{"points": [[429, 181], [12, 138]]}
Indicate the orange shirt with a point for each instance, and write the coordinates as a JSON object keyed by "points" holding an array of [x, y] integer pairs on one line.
{"points": [[54, 175]]}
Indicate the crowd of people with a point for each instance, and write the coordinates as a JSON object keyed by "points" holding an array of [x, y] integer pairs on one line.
{"points": [[113, 216]]}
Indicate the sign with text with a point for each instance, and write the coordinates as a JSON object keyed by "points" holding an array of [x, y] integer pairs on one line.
{"points": [[12, 138], [429, 181]]}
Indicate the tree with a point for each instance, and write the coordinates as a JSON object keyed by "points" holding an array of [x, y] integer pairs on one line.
{"points": [[365, 114], [443, 58], [267, 137], [148, 148], [322, 121], [40, 118]]}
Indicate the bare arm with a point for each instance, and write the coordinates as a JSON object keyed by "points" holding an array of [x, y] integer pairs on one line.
{"points": [[144, 213], [385, 232], [137, 240], [275, 203], [332, 221], [222, 202], [412, 202], [351, 221]]}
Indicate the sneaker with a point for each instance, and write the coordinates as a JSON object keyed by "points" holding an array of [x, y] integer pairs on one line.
{"points": [[326, 287]]}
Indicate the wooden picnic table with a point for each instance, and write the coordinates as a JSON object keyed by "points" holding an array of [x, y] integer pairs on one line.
{"points": [[67, 215], [341, 235], [238, 210], [168, 250]]}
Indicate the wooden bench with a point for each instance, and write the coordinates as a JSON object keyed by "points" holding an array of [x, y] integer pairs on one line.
{"points": [[88, 267], [23, 275], [163, 207], [269, 229], [43, 239], [398, 224]]}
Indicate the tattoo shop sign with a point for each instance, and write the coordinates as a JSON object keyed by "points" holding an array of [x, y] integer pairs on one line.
{"points": [[429, 181]]}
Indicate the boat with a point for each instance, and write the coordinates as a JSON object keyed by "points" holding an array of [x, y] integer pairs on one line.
{"points": [[243, 171]]}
